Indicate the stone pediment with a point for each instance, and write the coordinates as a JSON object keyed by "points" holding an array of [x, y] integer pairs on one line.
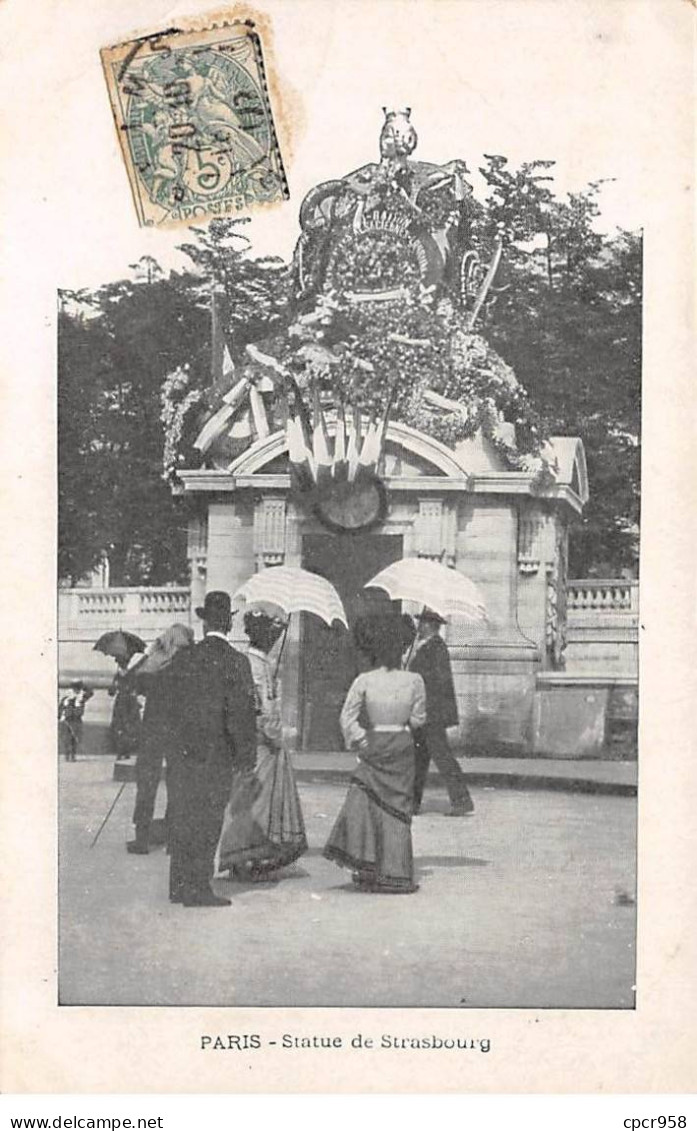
{"points": [[412, 461], [409, 454], [568, 458]]}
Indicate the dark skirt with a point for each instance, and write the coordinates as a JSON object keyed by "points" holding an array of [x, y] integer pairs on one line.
{"points": [[125, 724], [372, 834], [267, 832]]}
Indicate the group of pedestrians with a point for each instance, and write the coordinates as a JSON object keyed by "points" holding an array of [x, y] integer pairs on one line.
{"points": [[213, 714]]}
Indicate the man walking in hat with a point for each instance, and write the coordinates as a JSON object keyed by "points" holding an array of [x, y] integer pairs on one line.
{"points": [[432, 662], [216, 731]]}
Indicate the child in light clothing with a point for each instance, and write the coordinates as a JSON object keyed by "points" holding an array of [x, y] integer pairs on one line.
{"points": [[70, 713]]}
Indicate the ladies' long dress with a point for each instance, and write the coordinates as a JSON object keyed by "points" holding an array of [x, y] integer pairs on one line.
{"points": [[125, 725], [264, 832], [372, 834]]}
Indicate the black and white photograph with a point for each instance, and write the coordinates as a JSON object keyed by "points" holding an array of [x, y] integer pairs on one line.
{"points": [[348, 551], [349, 385]]}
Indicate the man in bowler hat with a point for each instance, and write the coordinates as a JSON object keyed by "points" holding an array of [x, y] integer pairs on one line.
{"points": [[216, 732], [432, 662]]}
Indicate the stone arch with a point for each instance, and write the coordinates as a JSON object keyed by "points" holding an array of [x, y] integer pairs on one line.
{"points": [[443, 460]]}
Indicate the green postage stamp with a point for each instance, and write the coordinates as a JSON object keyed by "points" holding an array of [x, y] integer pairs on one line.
{"points": [[194, 120]]}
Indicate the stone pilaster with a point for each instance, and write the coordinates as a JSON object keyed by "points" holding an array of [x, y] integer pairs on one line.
{"points": [[435, 530], [270, 531], [197, 554]]}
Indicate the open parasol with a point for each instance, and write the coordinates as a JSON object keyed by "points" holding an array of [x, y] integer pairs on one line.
{"points": [[432, 585], [119, 644], [292, 590]]}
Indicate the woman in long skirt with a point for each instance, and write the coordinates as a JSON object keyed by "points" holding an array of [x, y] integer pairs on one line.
{"points": [[372, 834], [264, 832], [124, 729], [154, 679]]}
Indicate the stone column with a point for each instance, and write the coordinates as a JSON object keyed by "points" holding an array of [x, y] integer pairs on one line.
{"points": [[197, 554], [535, 546], [290, 664], [230, 550], [486, 553], [494, 664], [556, 573]]}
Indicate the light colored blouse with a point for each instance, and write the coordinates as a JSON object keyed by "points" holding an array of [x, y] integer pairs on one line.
{"points": [[268, 698], [392, 700]]}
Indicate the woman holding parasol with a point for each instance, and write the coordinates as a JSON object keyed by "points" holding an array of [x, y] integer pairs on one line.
{"points": [[124, 729], [265, 831]]}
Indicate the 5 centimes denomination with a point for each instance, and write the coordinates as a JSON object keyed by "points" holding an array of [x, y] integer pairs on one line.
{"points": [[195, 124]]}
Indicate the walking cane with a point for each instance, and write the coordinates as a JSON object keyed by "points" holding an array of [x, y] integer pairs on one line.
{"points": [[409, 653], [111, 810]]}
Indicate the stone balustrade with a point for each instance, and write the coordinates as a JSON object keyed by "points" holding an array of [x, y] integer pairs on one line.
{"points": [[165, 602], [99, 610], [84, 614], [602, 627], [603, 595], [97, 603], [596, 692]]}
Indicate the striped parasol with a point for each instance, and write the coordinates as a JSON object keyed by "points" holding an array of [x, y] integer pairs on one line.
{"points": [[293, 590], [432, 585]]}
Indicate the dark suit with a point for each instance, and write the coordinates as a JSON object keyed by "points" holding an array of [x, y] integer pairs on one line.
{"points": [[432, 663], [158, 740], [216, 736]]}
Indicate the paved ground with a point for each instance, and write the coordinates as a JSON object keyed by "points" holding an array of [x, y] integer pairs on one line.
{"points": [[529, 903]]}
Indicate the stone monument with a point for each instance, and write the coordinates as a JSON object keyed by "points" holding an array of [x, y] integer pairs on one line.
{"points": [[378, 423]]}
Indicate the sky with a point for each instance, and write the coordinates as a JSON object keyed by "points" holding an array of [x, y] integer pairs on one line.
{"points": [[524, 78]]}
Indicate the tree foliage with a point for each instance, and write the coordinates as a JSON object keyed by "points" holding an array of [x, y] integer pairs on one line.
{"points": [[568, 320], [113, 356]]}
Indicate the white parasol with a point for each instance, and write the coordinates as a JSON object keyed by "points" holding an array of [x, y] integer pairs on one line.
{"points": [[293, 590], [432, 585]]}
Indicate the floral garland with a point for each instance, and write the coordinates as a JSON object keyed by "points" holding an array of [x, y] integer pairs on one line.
{"points": [[398, 352], [178, 398]]}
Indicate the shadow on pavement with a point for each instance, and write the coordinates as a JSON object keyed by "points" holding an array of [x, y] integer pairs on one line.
{"points": [[452, 861]]}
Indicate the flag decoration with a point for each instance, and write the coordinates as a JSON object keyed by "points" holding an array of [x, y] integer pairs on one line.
{"points": [[351, 455], [243, 414], [334, 454], [334, 470]]}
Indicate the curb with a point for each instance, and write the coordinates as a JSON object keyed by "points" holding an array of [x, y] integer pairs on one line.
{"points": [[125, 771], [501, 780]]}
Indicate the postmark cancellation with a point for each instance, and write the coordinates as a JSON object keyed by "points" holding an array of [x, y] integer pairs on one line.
{"points": [[195, 124]]}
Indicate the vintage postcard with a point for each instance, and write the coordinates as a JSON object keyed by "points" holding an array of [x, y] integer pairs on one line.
{"points": [[195, 123], [336, 716]]}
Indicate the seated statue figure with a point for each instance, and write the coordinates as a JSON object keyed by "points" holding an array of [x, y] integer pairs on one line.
{"points": [[386, 225]]}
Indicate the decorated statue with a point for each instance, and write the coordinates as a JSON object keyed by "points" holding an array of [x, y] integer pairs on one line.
{"points": [[386, 228], [389, 281]]}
